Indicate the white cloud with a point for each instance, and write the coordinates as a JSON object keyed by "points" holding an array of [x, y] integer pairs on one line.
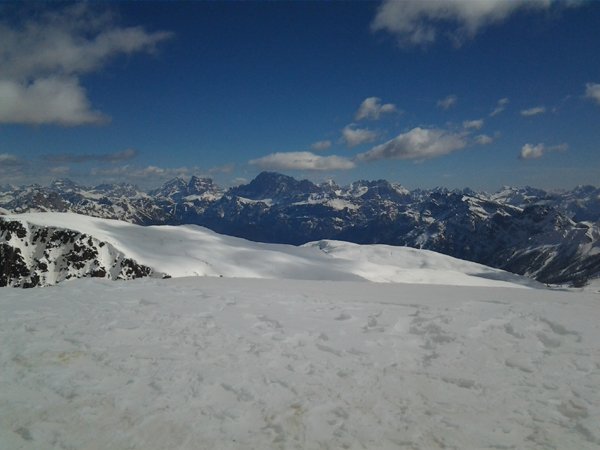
{"points": [[418, 22], [41, 60], [473, 124], [483, 139], [60, 100], [530, 151], [417, 144], [448, 102], [592, 91], [354, 136], [500, 106], [302, 161], [320, 146], [371, 108], [535, 111]]}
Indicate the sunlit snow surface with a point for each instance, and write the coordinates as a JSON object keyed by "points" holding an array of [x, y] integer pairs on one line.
{"points": [[217, 363], [190, 250]]}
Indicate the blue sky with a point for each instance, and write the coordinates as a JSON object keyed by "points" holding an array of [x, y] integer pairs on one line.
{"points": [[457, 93]]}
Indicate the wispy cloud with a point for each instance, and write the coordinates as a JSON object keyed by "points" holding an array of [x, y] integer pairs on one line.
{"points": [[500, 106], [372, 108], [354, 136], [42, 59], [416, 144], [116, 157], [592, 91], [535, 111], [418, 22], [8, 159], [149, 175], [59, 170], [225, 168], [12, 168], [447, 102], [321, 146], [473, 124], [302, 161], [531, 151], [483, 139]]}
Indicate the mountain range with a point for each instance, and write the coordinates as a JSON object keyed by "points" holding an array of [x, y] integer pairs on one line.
{"points": [[553, 237]]}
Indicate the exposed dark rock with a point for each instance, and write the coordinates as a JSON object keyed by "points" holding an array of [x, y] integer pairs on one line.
{"points": [[65, 254]]}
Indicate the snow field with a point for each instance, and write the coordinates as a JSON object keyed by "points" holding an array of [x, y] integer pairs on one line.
{"points": [[204, 363]]}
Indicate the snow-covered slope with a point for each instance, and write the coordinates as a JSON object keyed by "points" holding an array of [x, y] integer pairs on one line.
{"points": [[211, 363], [551, 237], [190, 250]]}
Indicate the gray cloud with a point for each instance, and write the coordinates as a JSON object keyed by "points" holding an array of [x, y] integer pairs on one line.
{"points": [[41, 60], [417, 22], [447, 102], [535, 111], [372, 108], [354, 136], [417, 144], [65, 158], [592, 91], [302, 161]]}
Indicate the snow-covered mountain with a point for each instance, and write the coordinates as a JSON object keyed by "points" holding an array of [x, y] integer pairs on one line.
{"points": [[552, 237], [45, 248]]}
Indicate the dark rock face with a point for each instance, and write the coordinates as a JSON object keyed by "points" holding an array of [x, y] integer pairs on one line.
{"points": [[39, 256], [275, 186], [12, 266], [552, 237]]}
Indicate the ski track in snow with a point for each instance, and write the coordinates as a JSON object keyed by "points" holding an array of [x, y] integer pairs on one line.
{"points": [[209, 363]]}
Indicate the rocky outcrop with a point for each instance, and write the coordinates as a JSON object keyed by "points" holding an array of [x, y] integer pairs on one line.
{"points": [[32, 255]]}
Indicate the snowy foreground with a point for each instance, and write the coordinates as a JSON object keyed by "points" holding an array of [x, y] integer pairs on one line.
{"points": [[217, 363]]}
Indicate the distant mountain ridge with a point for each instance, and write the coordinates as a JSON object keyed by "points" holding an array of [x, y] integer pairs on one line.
{"points": [[551, 237]]}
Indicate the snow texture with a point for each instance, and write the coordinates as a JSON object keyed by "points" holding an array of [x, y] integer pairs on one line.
{"points": [[212, 363]]}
